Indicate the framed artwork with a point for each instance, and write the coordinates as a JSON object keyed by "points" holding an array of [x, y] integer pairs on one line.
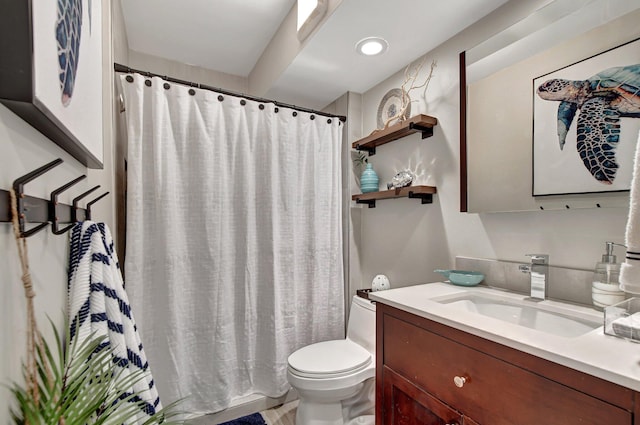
{"points": [[51, 72], [586, 119]]}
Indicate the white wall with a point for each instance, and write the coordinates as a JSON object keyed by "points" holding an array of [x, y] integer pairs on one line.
{"points": [[282, 49], [23, 149], [401, 238], [196, 74], [407, 241], [505, 100]]}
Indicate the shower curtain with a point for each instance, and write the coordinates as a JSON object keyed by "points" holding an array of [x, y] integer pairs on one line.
{"points": [[234, 238]]}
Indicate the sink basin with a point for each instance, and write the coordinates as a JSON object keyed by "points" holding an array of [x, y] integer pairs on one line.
{"points": [[543, 317]]}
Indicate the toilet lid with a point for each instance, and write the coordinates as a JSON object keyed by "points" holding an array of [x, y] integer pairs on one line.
{"points": [[333, 358]]}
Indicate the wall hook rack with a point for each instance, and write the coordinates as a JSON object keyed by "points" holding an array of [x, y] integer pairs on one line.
{"points": [[74, 204], [53, 206], [44, 211], [89, 204], [24, 206]]}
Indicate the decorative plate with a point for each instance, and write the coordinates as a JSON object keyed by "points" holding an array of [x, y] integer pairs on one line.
{"points": [[390, 105]]}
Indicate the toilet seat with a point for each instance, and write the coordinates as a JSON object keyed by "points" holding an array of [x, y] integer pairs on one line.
{"points": [[335, 380], [329, 359]]}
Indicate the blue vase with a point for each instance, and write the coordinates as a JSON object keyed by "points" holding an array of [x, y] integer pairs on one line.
{"points": [[369, 180]]}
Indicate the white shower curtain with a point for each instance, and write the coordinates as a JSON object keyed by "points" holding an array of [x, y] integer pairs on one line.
{"points": [[234, 240]]}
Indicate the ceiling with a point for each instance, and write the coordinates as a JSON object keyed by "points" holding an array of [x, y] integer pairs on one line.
{"points": [[231, 35]]}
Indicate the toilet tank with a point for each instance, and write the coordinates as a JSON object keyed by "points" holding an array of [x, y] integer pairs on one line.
{"points": [[361, 327]]}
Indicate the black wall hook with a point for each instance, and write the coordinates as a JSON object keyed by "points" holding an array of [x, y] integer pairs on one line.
{"points": [[74, 206], [18, 188], [89, 204], [53, 206], [42, 211]]}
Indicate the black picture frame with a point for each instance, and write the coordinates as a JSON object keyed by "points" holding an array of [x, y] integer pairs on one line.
{"points": [[17, 81]]}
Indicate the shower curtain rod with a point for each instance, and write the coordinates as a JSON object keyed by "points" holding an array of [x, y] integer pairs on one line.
{"points": [[125, 69]]}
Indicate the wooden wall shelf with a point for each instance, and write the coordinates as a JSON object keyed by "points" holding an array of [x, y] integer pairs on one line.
{"points": [[425, 193], [418, 123]]}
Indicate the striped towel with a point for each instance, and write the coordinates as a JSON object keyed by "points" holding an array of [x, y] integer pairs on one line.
{"points": [[99, 304]]}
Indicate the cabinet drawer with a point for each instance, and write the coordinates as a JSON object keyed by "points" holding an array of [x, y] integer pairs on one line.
{"points": [[495, 392]]}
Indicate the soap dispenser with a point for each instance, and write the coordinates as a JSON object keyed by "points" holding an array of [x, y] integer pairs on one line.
{"points": [[606, 290]]}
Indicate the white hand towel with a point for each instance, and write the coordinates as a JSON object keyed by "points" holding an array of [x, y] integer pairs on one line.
{"points": [[630, 270], [627, 327]]}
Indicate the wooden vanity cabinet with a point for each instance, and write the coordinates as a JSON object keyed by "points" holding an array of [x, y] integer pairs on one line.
{"points": [[431, 374], [413, 406]]}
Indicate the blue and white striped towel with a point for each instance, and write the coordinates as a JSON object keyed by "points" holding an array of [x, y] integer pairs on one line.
{"points": [[99, 304]]}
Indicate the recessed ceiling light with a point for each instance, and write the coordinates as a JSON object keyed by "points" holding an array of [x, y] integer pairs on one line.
{"points": [[372, 46]]}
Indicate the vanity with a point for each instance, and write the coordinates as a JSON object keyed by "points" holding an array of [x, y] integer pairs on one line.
{"points": [[453, 355]]}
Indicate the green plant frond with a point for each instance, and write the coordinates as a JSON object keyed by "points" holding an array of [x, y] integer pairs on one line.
{"points": [[125, 412], [84, 387], [50, 358]]}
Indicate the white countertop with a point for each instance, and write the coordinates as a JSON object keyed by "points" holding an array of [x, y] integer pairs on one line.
{"points": [[607, 357]]}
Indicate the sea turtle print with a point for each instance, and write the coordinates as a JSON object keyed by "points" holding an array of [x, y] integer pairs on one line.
{"points": [[602, 100], [68, 31]]}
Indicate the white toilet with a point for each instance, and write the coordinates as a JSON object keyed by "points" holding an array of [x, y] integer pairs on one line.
{"points": [[335, 380]]}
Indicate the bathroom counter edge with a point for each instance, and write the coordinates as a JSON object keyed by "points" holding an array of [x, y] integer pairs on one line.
{"points": [[606, 357]]}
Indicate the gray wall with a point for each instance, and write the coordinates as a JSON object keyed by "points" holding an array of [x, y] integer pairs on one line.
{"points": [[24, 149], [400, 238], [407, 241]]}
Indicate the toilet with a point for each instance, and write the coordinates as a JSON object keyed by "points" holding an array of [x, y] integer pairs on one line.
{"points": [[335, 380]]}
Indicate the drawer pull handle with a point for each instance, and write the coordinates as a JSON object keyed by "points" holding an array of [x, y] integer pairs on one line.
{"points": [[459, 381]]}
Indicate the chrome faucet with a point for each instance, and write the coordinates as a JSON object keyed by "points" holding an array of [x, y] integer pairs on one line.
{"points": [[538, 270]]}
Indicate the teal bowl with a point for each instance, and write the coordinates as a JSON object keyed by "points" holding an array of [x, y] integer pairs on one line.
{"points": [[462, 277]]}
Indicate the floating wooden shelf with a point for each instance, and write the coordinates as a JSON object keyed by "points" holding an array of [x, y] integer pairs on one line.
{"points": [[418, 123], [425, 193]]}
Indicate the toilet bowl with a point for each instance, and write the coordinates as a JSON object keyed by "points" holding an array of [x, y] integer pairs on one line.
{"points": [[335, 379]]}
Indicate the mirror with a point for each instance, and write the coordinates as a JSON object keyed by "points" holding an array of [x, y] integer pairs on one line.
{"points": [[497, 101]]}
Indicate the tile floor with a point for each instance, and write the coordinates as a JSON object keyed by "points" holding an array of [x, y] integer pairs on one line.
{"points": [[283, 415]]}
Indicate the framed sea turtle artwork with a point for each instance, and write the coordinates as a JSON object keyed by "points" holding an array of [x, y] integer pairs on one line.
{"points": [[52, 71], [586, 123]]}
